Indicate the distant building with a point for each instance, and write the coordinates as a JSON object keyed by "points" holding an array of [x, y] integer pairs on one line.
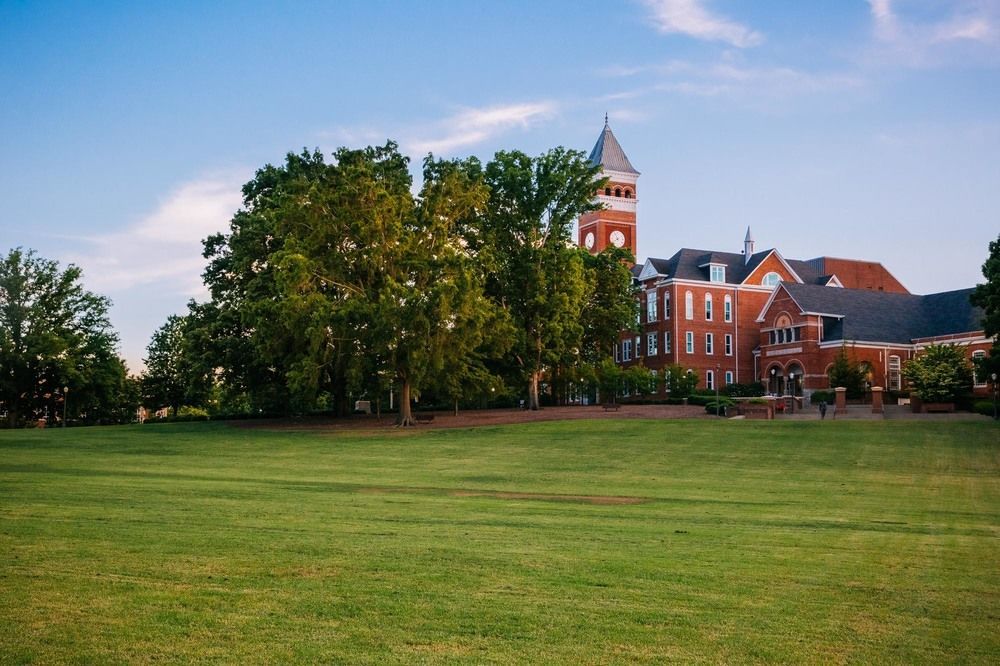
{"points": [[757, 316]]}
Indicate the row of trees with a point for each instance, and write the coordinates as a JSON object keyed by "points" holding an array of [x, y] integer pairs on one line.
{"points": [[335, 281], [58, 351]]}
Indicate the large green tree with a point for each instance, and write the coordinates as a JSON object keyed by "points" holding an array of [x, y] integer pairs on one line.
{"points": [[537, 275], [55, 335], [346, 283], [987, 296], [175, 375], [940, 373]]}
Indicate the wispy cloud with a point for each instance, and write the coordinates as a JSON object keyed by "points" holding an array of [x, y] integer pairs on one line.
{"points": [[728, 78], [475, 125], [693, 18], [163, 248], [904, 38]]}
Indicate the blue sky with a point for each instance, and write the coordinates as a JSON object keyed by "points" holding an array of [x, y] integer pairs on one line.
{"points": [[865, 129]]}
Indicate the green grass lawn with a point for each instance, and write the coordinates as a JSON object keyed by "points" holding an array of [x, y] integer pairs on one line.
{"points": [[582, 542]]}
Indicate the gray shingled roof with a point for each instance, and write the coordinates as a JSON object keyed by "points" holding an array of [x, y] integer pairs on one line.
{"points": [[608, 153], [879, 316], [689, 264]]}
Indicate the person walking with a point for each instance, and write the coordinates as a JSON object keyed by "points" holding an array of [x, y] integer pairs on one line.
{"points": [[822, 409]]}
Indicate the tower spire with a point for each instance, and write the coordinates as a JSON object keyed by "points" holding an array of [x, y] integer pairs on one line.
{"points": [[747, 246]]}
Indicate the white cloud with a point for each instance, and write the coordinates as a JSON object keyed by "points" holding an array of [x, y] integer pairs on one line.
{"points": [[163, 248], [473, 126], [736, 80], [934, 37], [692, 18]]}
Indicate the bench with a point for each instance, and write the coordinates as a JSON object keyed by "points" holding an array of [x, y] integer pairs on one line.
{"points": [[423, 418], [611, 407]]}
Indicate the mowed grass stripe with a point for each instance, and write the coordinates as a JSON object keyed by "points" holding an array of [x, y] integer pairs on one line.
{"points": [[752, 542]]}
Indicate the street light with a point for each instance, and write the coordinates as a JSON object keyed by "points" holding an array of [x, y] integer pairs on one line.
{"points": [[715, 380], [791, 384], [65, 400], [996, 390], [774, 381]]}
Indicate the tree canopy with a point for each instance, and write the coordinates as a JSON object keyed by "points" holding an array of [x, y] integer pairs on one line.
{"points": [[54, 336], [987, 296], [940, 373]]}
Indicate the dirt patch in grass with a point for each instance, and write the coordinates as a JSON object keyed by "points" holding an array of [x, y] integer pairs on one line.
{"points": [[477, 417], [509, 495], [544, 497]]}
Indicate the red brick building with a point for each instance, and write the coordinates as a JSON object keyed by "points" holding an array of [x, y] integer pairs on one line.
{"points": [[732, 318]]}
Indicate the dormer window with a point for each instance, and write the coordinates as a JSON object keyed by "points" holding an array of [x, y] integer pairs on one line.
{"points": [[771, 279], [717, 273]]}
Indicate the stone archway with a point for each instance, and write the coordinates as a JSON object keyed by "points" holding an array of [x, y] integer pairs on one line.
{"points": [[774, 379], [794, 375]]}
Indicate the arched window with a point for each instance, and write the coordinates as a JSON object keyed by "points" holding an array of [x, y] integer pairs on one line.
{"points": [[688, 305], [618, 191], [727, 308], [771, 279], [666, 305], [708, 307], [607, 191], [894, 383], [628, 194], [978, 378]]}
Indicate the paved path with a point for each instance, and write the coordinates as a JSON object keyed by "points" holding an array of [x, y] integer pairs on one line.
{"points": [[864, 413]]}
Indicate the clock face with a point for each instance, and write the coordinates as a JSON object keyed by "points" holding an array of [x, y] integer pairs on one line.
{"points": [[589, 240], [617, 238]]}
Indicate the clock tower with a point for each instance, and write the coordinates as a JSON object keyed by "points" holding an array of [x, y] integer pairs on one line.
{"points": [[614, 224]]}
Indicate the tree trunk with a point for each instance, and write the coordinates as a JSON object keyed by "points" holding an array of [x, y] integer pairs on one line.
{"points": [[533, 390], [456, 407], [12, 417], [405, 414]]}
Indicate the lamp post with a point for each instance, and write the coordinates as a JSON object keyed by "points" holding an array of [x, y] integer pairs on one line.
{"points": [[715, 380], [65, 400], [996, 390], [790, 389], [774, 381]]}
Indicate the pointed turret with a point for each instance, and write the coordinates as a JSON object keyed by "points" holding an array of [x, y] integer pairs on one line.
{"points": [[747, 247], [614, 222], [608, 153]]}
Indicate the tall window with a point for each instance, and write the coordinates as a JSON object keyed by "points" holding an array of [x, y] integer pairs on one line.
{"points": [[627, 350], [717, 273], [651, 305], [666, 342], [894, 382], [708, 307], [976, 379], [666, 305], [709, 343], [651, 339], [709, 379], [688, 305], [689, 342], [618, 355], [727, 308], [729, 344], [729, 377]]}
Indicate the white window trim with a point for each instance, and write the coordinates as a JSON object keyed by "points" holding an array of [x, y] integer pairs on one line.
{"points": [[727, 308], [689, 342], [728, 349], [709, 344], [688, 305], [708, 307], [652, 340]]}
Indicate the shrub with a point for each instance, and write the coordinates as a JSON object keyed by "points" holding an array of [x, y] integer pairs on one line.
{"points": [[713, 407], [753, 390], [984, 407], [828, 397]]}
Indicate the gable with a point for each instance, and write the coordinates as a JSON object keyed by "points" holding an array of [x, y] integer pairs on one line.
{"points": [[772, 263]]}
